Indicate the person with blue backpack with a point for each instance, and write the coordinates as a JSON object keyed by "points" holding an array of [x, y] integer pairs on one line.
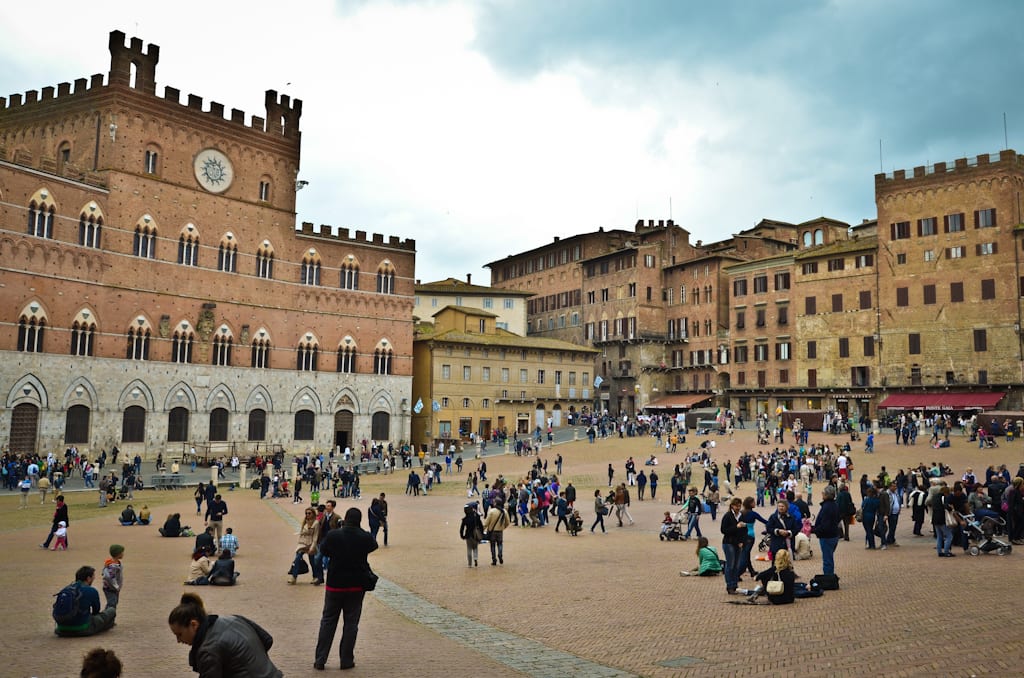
{"points": [[76, 609]]}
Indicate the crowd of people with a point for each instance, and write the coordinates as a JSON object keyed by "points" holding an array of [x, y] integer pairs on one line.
{"points": [[790, 481]]}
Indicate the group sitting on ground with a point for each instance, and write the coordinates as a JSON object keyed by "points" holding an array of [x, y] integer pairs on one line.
{"points": [[220, 572], [173, 527], [129, 517]]}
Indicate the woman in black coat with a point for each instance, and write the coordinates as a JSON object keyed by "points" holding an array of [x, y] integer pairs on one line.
{"points": [[172, 526], [781, 569], [734, 533], [471, 531]]}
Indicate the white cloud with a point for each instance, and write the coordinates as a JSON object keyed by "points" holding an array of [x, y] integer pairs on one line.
{"points": [[411, 129]]}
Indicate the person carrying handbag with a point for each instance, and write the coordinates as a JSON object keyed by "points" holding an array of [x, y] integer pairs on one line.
{"points": [[600, 511], [778, 581], [471, 530], [309, 537], [943, 521]]}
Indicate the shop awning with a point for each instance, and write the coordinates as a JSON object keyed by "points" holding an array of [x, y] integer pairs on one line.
{"points": [[984, 400], [677, 402]]}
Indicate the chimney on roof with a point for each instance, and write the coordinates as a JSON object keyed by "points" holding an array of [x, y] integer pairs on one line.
{"points": [[469, 278]]}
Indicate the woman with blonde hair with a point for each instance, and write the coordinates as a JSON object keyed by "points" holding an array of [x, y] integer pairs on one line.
{"points": [[781, 571]]}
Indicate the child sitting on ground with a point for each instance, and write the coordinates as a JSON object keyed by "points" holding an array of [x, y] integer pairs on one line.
{"points": [[709, 565], [666, 523]]}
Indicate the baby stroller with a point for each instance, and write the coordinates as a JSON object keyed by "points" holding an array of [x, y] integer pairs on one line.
{"points": [[673, 531], [982, 534]]}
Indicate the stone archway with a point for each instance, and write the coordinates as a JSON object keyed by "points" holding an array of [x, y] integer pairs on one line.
{"points": [[343, 422]]}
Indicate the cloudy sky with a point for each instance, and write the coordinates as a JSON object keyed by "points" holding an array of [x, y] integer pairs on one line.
{"points": [[486, 128]]}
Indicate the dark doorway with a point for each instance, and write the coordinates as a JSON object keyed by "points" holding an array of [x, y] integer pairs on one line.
{"points": [[24, 427], [343, 429]]}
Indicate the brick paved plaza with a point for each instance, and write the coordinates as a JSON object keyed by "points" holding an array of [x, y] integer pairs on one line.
{"points": [[596, 605]]}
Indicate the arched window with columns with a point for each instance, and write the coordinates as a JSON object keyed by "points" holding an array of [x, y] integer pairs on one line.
{"points": [[83, 333], [383, 357], [139, 333], [188, 246], [307, 353], [41, 210], [227, 253], [31, 326]]}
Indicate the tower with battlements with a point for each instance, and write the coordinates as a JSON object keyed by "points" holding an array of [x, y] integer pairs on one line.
{"points": [[158, 292]]}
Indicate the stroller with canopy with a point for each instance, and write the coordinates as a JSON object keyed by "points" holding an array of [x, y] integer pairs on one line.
{"points": [[982, 535]]}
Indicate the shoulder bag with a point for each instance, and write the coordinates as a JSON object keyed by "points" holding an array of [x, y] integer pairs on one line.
{"points": [[775, 587]]}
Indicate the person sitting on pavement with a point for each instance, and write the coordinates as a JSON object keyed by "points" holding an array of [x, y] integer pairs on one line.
{"points": [[199, 569], [781, 569], [144, 515], [205, 542], [87, 620], [172, 526], [128, 516], [222, 573], [707, 556], [229, 542]]}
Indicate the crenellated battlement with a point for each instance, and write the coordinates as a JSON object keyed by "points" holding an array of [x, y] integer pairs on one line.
{"points": [[327, 231], [943, 170], [134, 68]]}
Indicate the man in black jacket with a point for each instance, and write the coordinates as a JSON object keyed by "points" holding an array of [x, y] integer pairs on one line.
{"points": [[59, 514], [826, 528], [348, 577]]}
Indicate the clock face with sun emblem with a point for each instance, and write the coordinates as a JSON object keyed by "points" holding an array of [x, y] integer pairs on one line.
{"points": [[213, 170]]}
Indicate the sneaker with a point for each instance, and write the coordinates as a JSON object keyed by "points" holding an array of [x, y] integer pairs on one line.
{"points": [[884, 547], [684, 573]]}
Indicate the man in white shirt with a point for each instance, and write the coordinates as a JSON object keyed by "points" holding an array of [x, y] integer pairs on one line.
{"points": [[841, 466]]}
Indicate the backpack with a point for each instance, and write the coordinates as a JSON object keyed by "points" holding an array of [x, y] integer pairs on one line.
{"points": [[65, 607]]}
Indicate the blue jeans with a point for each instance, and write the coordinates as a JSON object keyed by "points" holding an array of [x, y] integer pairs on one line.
{"points": [[943, 538], [745, 563], [890, 537], [732, 565], [828, 552], [319, 563], [693, 524], [869, 531]]}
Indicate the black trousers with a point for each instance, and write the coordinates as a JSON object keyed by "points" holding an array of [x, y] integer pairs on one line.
{"points": [[349, 606]]}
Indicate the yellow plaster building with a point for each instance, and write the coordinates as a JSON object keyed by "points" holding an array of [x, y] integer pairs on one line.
{"points": [[472, 378]]}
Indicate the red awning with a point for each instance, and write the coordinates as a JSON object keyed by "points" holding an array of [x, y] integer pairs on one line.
{"points": [[984, 400], [677, 402]]}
